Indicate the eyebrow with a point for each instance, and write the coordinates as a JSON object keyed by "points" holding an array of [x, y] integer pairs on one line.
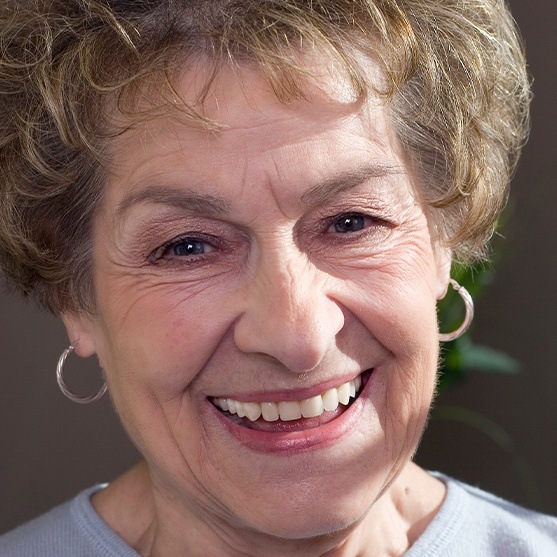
{"points": [[182, 199], [324, 191], [212, 205]]}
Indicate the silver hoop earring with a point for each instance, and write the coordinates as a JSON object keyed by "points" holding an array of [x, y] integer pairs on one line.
{"points": [[469, 304], [64, 388]]}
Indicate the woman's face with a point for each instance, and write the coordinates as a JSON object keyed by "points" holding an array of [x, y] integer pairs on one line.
{"points": [[267, 263]]}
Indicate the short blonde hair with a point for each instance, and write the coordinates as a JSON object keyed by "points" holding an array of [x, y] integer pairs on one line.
{"points": [[456, 81]]}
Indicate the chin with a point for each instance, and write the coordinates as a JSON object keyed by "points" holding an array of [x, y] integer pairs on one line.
{"points": [[304, 524], [310, 514]]}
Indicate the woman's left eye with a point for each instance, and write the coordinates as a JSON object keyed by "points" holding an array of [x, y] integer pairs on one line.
{"points": [[350, 222]]}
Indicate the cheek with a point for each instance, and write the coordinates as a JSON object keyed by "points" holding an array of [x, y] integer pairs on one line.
{"points": [[395, 301], [395, 298], [158, 337], [156, 341]]}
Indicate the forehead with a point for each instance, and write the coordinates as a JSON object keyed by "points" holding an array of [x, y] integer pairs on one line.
{"points": [[311, 139]]}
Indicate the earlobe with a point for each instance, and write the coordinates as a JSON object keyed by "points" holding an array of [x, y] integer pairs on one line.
{"points": [[80, 333], [443, 258]]}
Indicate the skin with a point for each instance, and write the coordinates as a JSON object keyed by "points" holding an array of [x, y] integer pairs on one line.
{"points": [[281, 301]]}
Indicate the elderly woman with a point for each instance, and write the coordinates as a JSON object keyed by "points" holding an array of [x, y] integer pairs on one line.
{"points": [[248, 210]]}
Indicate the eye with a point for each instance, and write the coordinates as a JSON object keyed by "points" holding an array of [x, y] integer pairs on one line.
{"points": [[188, 247], [350, 222], [183, 247]]}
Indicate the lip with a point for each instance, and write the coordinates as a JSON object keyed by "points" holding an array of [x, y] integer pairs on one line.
{"points": [[289, 442]]}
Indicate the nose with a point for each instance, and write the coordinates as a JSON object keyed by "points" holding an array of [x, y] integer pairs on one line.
{"points": [[288, 314]]}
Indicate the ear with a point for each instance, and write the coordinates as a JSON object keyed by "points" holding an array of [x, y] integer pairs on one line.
{"points": [[443, 260], [80, 329]]}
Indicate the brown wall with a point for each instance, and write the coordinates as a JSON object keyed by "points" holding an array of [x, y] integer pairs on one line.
{"points": [[51, 448]]}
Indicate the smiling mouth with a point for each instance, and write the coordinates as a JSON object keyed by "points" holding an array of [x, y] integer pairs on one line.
{"points": [[293, 415]]}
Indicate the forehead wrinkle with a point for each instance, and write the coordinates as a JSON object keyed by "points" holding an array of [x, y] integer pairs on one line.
{"points": [[325, 190], [179, 198]]}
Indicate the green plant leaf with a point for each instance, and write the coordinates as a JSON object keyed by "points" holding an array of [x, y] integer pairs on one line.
{"points": [[477, 357]]}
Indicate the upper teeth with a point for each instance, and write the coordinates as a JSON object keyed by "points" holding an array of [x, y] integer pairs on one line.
{"points": [[292, 409]]}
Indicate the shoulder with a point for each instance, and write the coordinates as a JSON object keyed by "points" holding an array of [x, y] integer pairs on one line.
{"points": [[71, 529], [474, 522]]}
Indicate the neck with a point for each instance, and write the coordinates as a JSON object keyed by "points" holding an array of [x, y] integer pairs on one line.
{"points": [[155, 522]]}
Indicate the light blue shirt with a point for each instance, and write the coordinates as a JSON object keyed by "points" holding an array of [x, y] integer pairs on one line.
{"points": [[470, 523]]}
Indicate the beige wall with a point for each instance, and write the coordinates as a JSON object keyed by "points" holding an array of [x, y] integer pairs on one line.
{"points": [[50, 448]]}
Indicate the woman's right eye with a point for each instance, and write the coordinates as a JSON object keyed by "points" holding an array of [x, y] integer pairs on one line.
{"points": [[188, 247], [184, 247]]}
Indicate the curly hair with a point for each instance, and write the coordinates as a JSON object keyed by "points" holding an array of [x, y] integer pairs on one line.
{"points": [[456, 82]]}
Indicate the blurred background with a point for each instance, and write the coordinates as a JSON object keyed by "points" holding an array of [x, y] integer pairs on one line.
{"points": [[494, 430]]}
